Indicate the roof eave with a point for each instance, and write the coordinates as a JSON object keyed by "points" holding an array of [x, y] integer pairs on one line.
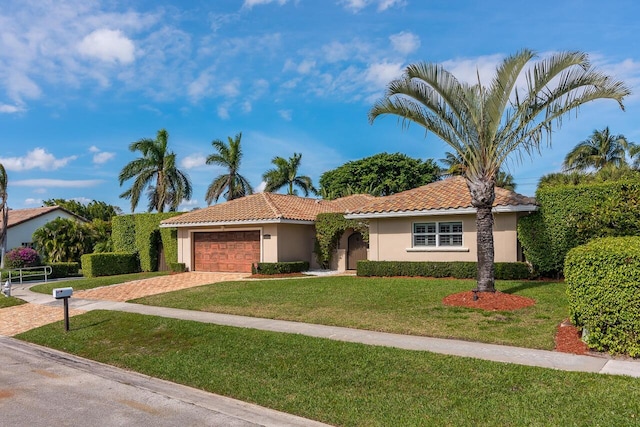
{"points": [[237, 223], [434, 212]]}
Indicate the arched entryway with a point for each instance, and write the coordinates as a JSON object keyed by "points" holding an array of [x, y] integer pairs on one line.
{"points": [[356, 250]]}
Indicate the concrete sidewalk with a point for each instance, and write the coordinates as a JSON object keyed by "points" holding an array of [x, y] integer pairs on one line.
{"points": [[493, 352]]}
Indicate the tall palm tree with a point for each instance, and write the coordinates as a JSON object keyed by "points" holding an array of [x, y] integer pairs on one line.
{"points": [[232, 185], [4, 213], [599, 150], [286, 173], [486, 124], [156, 170]]}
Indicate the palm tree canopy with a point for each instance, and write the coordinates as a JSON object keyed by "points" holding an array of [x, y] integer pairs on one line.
{"points": [[599, 150], [232, 185], [524, 103], [486, 124], [286, 173], [157, 163]]}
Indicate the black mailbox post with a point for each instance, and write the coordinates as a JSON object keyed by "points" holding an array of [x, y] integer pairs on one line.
{"points": [[64, 294]]}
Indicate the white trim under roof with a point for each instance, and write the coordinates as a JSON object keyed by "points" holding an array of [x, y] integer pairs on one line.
{"points": [[433, 212], [245, 223]]}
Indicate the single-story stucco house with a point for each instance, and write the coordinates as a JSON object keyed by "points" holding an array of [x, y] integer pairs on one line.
{"points": [[262, 227], [23, 222], [435, 222]]}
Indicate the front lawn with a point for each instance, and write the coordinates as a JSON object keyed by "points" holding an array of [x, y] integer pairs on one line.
{"points": [[401, 305], [345, 384], [10, 301], [95, 282]]}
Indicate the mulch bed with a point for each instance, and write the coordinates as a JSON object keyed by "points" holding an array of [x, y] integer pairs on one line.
{"points": [[567, 338]]}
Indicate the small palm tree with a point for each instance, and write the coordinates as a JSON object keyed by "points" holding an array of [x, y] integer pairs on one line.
{"points": [[4, 213], [486, 124], [286, 173], [232, 185], [156, 170], [455, 165], [599, 150]]}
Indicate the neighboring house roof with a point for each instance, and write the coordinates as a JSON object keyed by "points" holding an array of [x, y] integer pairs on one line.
{"points": [[265, 208], [18, 216], [449, 196]]}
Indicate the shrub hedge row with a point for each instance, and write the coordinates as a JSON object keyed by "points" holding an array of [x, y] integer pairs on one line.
{"points": [[456, 269], [603, 286], [141, 233], [109, 264], [279, 267], [64, 269], [571, 215]]}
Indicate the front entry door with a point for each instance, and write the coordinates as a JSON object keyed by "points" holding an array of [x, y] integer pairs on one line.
{"points": [[356, 250]]}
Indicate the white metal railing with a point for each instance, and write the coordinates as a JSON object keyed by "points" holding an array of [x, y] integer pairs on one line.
{"points": [[46, 272]]}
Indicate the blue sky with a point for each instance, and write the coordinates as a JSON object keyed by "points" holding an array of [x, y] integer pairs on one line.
{"points": [[80, 80]]}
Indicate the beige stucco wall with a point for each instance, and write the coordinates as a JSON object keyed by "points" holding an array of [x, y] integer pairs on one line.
{"points": [[278, 242], [390, 239]]}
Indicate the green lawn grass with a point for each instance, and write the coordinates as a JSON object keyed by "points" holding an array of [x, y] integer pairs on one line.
{"points": [[9, 301], [346, 384], [95, 282], [400, 305]]}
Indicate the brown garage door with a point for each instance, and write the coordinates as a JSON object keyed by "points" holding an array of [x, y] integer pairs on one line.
{"points": [[233, 251]]}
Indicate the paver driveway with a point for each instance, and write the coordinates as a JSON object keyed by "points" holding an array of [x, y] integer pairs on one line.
{"points": [[157, 285], [18, 319]]}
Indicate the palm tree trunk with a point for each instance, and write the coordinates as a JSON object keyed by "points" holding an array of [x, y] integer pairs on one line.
{"points": [[482, 197]]}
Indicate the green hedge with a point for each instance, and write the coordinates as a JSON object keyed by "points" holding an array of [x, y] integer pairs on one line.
{"points": [[64, 269], [572, 215], [279, 267], [456, 269], [109, 264], [141, 233], [603, 286], [177, 267]]}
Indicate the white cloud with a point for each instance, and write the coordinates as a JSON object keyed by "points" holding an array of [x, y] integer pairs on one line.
{"points": [[386, 4], [380, 74], [37, 158], [260, 188], [286, 114], [231, 89], [193, 161], [108, 45], [201, 86], [355, 6], [246, 107], [103, 157], [58, 183], [248, 4], [33, 202], [11, 109], [405, 42], [94, 149], [223, 113], [468, 69]]}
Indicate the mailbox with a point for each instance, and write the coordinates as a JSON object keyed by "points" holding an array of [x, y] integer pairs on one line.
{"points": [[60, 293]]}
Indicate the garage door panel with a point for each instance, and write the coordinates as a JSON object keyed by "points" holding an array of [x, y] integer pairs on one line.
{"points": [[229, 251]]}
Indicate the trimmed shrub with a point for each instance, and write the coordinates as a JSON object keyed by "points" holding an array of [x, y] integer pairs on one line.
{"points": [[21, 258], [603, 286], [177, 267], [109, 264], [456, 269], [571, 215], [269, 268], [64, 269]]}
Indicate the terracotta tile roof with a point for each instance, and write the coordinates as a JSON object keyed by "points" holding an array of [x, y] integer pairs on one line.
{"points": [[267, 207], [451, 193], [18, 216]]}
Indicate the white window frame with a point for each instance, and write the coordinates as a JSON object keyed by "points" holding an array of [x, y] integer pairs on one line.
{"points": [[434, 233]]}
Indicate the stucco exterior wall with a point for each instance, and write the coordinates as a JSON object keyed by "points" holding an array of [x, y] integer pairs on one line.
{"points": [[21, 233], [278, 242], [390, 239]]}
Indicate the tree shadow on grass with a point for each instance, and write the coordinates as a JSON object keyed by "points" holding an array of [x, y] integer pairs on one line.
{"points": [[522, 286]]}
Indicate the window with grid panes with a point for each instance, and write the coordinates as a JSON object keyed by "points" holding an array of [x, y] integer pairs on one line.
{"points": [[434, 234]]}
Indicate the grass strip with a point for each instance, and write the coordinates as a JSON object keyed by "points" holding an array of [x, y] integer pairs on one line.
{"points": [[95, 282], [400, 305], [10, 301], [345, 384]]}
